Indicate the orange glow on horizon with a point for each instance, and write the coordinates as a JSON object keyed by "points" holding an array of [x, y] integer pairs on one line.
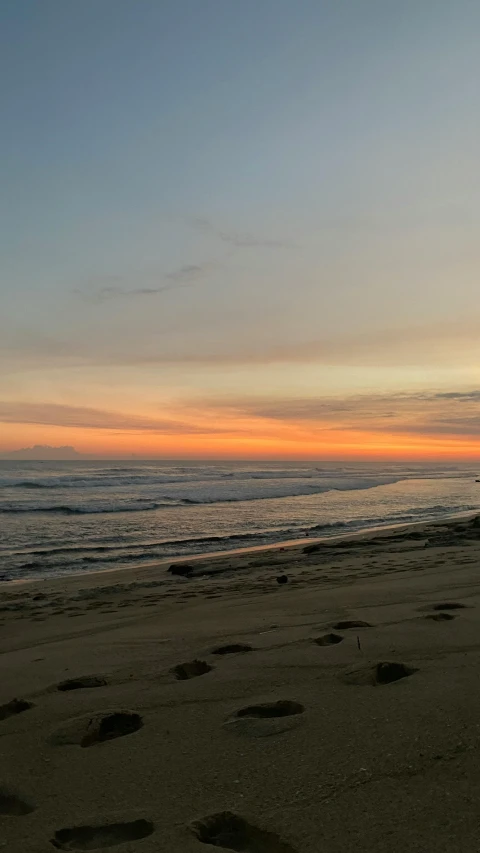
{"points": [[287, 444]]}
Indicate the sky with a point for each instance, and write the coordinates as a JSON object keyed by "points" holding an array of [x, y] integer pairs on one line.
{"points": [[240, 229]]}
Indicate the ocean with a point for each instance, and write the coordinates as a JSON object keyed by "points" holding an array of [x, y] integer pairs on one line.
{"points": [[59, 518]]}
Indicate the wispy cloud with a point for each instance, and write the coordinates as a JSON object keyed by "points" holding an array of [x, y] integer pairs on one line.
{"points": [[54, 414], [104, 294], [427, 413], [234, 238], [435, 414], [436, 344], [442, 344], [460, 396], [114, 286], [189, 272]]}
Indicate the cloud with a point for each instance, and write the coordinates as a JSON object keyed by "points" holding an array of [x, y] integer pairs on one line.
{"points": [[428, 413], [442, 426], [449, 345], [236, 239], [184, 276], [443, 343], [189, 272], [54, 414], [104, 294], [453, 413], [461, 396], [43, 451]]}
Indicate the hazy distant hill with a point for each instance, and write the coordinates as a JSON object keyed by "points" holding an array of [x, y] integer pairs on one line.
{"points": [[43, 451]]}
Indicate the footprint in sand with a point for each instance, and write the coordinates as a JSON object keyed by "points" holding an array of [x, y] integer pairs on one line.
{"points": [[88, 730], [15, 706], [232, 832], [385, 672], [265, 719], [440, 617], [13, 804], [83, 683], [281, 708], [232, 649], [351, 623], [192, 669], [328, 640], [449, 605], [105, 835]]}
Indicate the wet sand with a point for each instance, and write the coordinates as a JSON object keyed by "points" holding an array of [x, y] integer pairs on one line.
{"points": [[336, 711]]}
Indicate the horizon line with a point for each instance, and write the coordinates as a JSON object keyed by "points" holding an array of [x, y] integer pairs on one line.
{"points": [[87, 457]]}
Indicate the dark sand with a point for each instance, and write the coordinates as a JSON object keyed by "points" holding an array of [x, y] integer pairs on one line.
{"points": [[370, 743]]}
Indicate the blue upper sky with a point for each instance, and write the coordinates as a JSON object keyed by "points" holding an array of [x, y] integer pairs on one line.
{"points": [[265, 113]]}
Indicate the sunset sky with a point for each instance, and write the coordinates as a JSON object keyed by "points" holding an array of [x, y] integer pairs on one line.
{"points": [[241, 228]]}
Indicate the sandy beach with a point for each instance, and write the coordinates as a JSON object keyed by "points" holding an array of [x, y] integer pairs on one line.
{"points": [[335, 711]]}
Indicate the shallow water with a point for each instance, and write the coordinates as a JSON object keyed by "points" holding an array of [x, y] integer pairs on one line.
{"points": [[64, 517]]}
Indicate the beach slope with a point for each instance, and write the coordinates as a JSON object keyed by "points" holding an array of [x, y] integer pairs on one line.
{"points": [[336, 711]]}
